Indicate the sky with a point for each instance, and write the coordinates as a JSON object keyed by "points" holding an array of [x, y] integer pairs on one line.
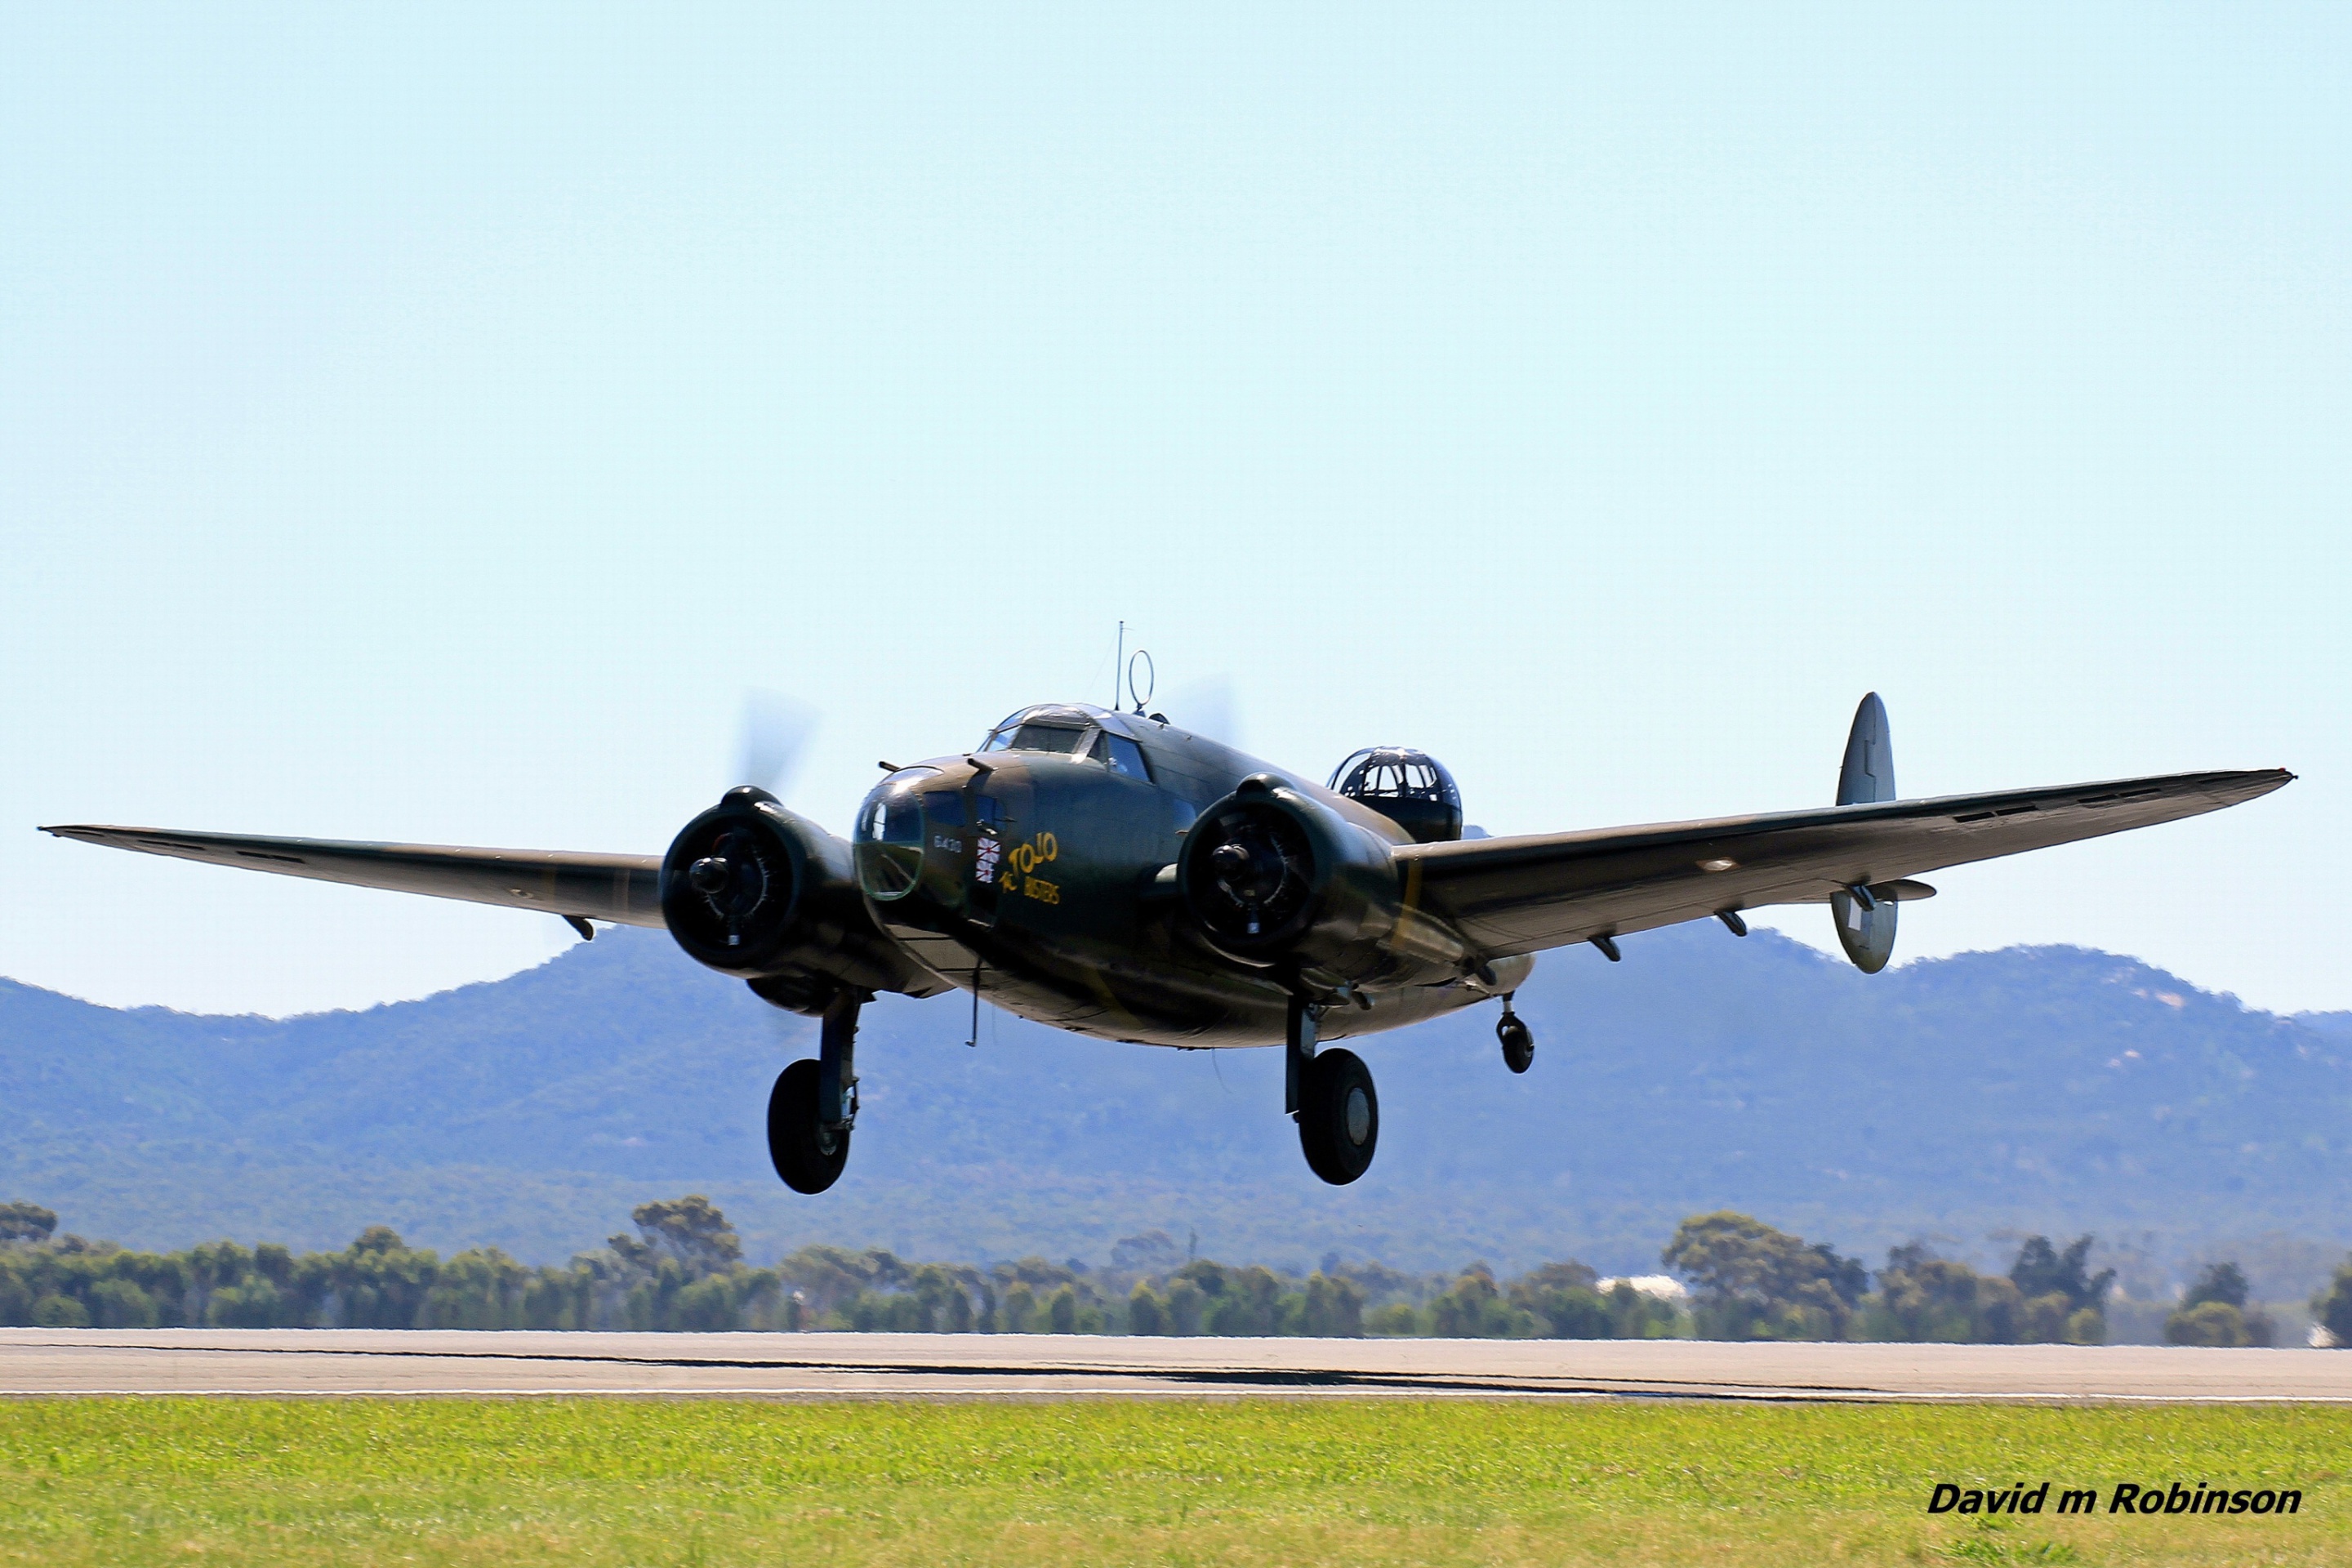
{"points": [[428, 424]]}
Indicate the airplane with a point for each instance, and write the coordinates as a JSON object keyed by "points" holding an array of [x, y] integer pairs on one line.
{"points": [[1112, 873]]}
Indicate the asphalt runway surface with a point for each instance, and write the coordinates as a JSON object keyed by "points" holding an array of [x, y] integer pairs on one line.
{"points": [[344, 1361]]}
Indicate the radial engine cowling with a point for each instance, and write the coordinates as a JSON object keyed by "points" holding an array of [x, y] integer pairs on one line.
{"points": [[1273, 877], [751, 890]]}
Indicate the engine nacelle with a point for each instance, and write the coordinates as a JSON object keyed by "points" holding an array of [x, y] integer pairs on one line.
{"points": [[752, 890], [1272, 877]]}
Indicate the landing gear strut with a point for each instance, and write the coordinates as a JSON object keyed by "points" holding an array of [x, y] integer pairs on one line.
{"points": [[1331, 1095], [814, 1105], [1519, 1040]]}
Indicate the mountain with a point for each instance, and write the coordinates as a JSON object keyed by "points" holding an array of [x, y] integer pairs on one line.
{"points": [[1966, 1099]]}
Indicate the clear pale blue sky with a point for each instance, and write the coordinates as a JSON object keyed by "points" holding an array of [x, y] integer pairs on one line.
{"points": [[426, 424]]}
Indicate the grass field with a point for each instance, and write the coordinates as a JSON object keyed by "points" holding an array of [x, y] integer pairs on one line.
{"points": [[609, 1481]]}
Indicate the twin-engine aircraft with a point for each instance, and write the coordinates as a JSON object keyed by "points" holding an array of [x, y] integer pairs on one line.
{"points": [[1114, 874]]}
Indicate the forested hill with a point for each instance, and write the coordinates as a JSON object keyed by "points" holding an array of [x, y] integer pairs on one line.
{"points": [[2051, 1090]]}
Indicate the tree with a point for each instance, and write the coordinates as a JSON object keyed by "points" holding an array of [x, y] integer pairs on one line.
{"points": [[1474, 1309], [1247, 1304], [692, 1230], [827, 1279], [1757, 1282], [483, 1288], [1330, 1308], [2064, 1300], [1188, 1305], [27, 1222], [709, 1303], [2042, 1270], [1569, 1276], [383, 1281], [1152, 1252], [1031, 1285], [2213, 1311], [1636, 1314], [2222, 1282], [1564, 1297], [2333, 1307], [119, 1303], [1924, 1298], [1017, 1311], [57, 1312], [2216, 1323], [944, 1297], [251, 1303]]}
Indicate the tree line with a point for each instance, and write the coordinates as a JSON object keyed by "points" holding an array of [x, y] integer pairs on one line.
{"points": [[683, 1268]]}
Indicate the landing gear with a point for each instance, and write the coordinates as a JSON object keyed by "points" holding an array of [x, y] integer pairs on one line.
{"points": [[1339, 1117], [814, 1105], [1519, 1040], [808, 1154], [1331, 1096]]}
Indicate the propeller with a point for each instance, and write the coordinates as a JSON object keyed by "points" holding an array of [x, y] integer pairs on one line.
{"points": [[773, 739], [1260, 871], [731, 876], [1211, 707], [727, 874]]}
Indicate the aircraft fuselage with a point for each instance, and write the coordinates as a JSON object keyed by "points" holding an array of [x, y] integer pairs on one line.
{"points": [[1046, 881]]}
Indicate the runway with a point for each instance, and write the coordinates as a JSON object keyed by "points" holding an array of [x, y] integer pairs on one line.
{"points": [[362, 1362]]}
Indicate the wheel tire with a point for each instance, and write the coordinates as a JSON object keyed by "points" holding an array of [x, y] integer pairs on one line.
{"points": [[1518, 1044], [807, 1156], [1339, 1117]]}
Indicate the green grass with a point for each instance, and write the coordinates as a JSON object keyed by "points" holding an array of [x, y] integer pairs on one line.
{"points": [[703, 1482]]}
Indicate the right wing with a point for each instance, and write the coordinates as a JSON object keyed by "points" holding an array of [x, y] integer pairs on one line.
{"points": [[622, 889], [1520, 895]]}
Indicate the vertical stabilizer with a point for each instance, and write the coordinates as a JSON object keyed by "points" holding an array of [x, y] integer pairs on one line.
{"points": [[1865, 926], [1869, 771]]}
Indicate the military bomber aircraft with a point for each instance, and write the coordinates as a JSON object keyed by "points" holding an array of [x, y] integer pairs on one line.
{"points": [[1112, 873]]}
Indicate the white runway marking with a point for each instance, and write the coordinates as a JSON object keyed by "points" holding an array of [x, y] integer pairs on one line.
{"points": [[307, 1361]]}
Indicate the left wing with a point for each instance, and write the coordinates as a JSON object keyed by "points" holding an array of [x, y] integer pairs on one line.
{"points": [[624, 889], [1520, 895]]}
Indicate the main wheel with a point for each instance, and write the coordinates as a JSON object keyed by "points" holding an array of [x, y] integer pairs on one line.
{"points": [[1339, 1117], [807, 1154], [1518, 1043]]}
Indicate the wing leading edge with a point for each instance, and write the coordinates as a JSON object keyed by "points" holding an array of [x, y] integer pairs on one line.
{"points": [[1508, 896], [624, 889], [1521, 895]]}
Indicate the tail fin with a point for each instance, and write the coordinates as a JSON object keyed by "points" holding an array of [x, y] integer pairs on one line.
{"points": [[1869, 771], [1867, 935]]}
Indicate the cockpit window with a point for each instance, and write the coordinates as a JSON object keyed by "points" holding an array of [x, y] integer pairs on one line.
{"points": [[1410, 788], [1121, 755], [1058, 734], [1033, 737], [1044, 727], [1392, 773]]}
